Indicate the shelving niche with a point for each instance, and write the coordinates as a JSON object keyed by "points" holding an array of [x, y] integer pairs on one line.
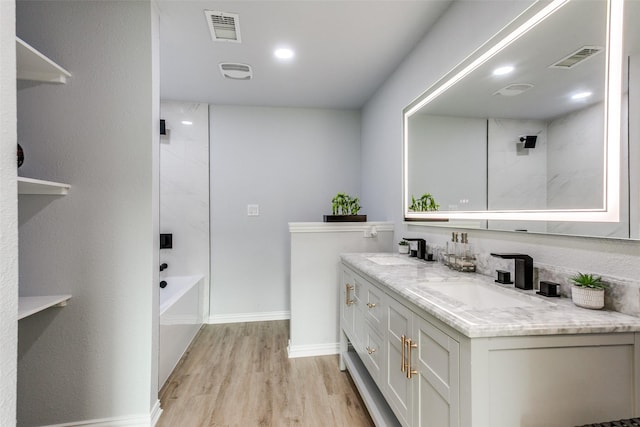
{"points": [[34, 66]]}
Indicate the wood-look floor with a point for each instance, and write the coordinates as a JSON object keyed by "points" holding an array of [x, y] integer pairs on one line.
{"points": [[239, 375]]}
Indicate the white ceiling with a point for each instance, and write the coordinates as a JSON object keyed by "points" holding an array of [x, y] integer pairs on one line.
{"points": [[345, 49]]}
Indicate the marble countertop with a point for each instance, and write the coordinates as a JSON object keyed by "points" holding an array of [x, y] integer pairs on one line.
{"points": [[515, 313]]}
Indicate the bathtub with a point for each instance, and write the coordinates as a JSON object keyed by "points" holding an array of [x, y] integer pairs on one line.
{"points": [[180, 320]]}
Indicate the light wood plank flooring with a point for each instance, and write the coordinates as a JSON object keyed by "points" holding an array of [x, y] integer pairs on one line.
{"points": [[239, 375]]}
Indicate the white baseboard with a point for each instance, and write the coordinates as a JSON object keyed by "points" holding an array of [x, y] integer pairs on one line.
{"points": [[312, 350], [148, 420], [249, 317], [155, 413]]}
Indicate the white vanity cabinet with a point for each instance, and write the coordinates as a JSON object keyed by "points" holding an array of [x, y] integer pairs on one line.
{"points": [[426, 372]]}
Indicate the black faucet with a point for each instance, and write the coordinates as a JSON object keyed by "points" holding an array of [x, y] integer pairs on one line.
{"points": [[163, 284], [421, 251], [524, 269], [163, 266]]}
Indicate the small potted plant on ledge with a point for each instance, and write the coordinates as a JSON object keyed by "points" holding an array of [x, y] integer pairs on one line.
{"points": [[403, 247], [345, 208], [588, 291]]}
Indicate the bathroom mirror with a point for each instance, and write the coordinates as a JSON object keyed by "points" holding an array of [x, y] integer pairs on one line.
{"points": [[526, 143]]}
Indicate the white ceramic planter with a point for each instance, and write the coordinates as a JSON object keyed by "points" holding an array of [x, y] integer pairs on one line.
{"points": [[403, 249], [587, 297]]}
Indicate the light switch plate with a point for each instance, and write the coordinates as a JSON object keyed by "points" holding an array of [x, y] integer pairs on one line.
{"points": [[253, 210]]}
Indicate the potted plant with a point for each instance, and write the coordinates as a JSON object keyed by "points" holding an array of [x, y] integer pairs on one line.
{"points": [[588, 291], [425, 203], [345, 208], [403, 247]]}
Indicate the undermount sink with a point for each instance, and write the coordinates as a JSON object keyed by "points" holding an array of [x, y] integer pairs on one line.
{"points": [[389, 260], [481, 296]]}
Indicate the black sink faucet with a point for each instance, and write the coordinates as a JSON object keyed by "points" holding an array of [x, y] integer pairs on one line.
{"points": [[524, 269], [421, 247], [163, 266]]}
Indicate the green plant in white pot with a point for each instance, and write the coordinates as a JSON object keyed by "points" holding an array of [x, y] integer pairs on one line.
{"points": [[403, 247], [588, 291]]}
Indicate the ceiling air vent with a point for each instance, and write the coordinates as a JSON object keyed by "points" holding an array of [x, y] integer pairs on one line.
{"points": [[577, 57], [514, 89], [224, 27], [235, 71]]}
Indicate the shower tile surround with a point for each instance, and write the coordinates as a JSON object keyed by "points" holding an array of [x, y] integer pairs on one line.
{"points": [[560, 316]]}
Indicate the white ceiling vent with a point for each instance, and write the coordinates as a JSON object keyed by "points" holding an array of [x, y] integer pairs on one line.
{"points": [[514, 89], [224, 27], [235, 71], [577, 57]]}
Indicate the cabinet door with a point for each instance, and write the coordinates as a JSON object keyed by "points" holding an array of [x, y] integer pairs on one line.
{"points": [[373, 354], [436, 383], [398, 388], [347, 302], [373, 306]]}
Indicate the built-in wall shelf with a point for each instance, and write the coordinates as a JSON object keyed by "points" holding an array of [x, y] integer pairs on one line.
{"points": [[32, 305], [33, 65], [38, 186]]}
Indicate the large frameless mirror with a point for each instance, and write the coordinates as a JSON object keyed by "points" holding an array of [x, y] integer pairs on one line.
{"points": [[528, 132]]}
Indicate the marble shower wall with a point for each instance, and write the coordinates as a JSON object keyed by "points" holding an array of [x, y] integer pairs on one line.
{"points": [[184, 190]]}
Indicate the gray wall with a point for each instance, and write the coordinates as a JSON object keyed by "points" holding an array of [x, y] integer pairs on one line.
{"points": [[94, 358], [462, 29], [8, 216], [289, 161]]}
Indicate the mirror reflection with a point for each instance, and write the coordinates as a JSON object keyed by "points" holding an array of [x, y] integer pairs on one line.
{"points": [[526, 130]]}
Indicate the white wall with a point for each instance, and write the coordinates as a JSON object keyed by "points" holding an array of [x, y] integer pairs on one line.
{"points": [[184, 191], [462, 29], [8, 217], [94, 358], [289, 161]]}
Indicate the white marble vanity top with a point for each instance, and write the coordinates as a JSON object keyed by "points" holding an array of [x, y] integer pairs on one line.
{"points": [[488, 311]]}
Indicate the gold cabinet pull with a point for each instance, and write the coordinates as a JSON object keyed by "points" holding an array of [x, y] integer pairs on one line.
{"points": [[370, 350], [371, 304], [350, 288], [410, 371], [403, 365]]}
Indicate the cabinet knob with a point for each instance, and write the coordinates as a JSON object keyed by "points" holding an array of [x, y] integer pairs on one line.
{"points": [[371, 304], [371, 350]]}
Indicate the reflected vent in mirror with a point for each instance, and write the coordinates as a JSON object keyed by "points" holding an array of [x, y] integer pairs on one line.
{"points": [[514, 89], [224, 27], [235, 71], [577, 57]]}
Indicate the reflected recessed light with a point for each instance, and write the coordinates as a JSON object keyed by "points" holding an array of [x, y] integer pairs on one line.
{"points": [[186, 122], [502, 70], [284, 53], [581, 95]]}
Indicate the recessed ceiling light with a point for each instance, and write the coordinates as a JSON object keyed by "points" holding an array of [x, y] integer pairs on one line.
{"points": [[283, 53], [186, 122], [581, 95], [502, 70]]}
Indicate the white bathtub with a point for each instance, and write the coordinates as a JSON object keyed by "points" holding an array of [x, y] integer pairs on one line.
{"points": [[180, 320]]}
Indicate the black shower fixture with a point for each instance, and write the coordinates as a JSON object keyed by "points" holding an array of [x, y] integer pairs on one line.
{"points": [[529, 141]]}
